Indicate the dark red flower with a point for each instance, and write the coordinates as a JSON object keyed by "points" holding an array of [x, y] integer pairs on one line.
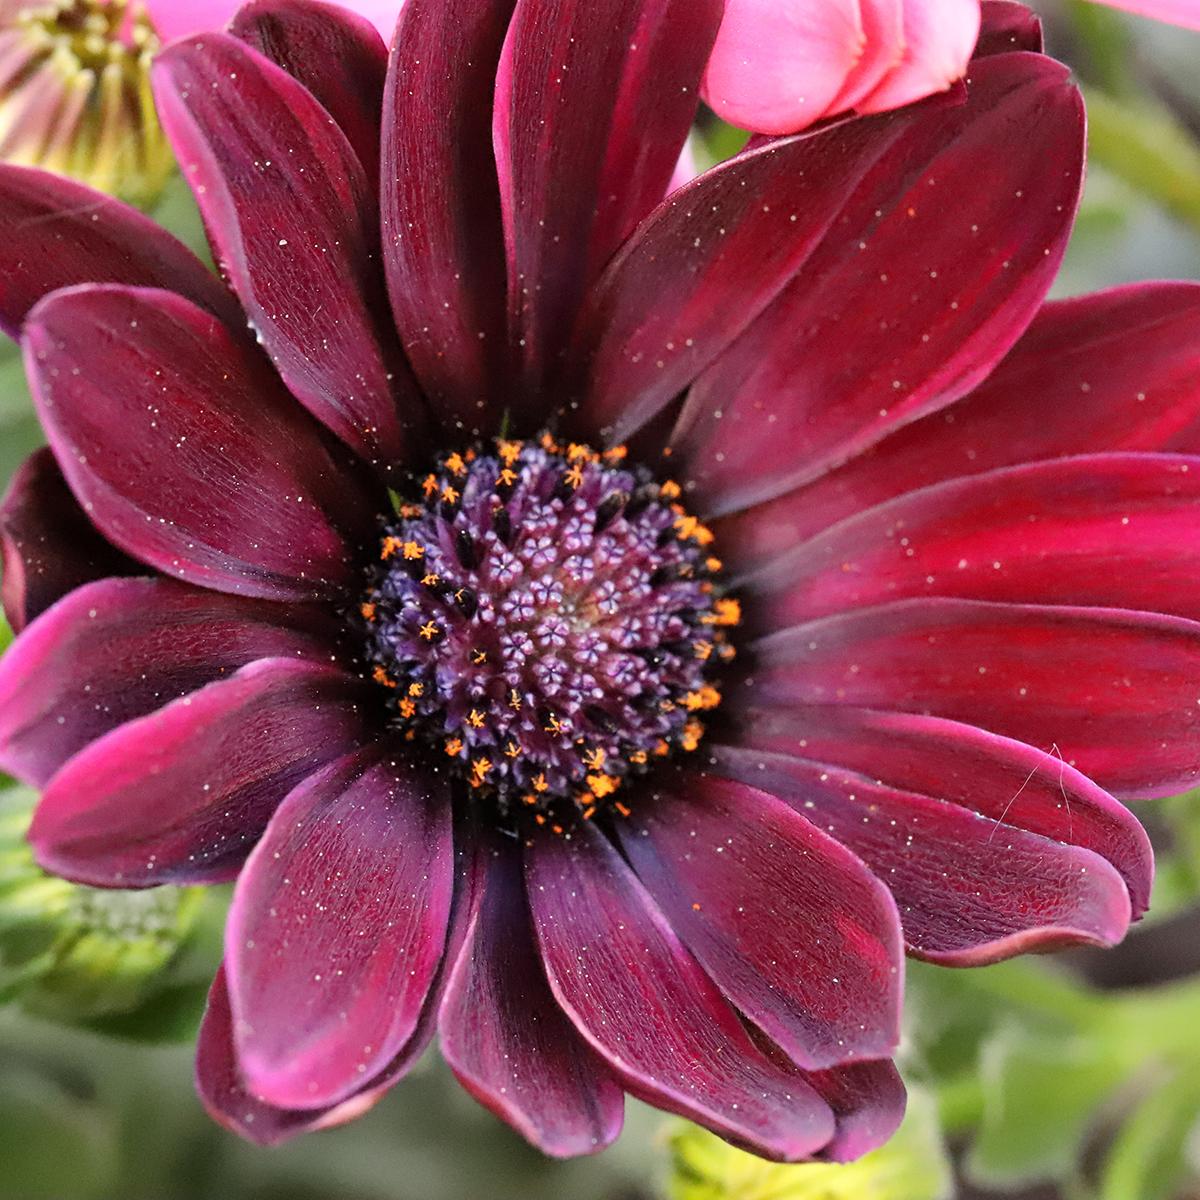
{"points": [[462, 747]]}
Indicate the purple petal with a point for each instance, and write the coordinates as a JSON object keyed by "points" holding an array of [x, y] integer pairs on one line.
{"points": [[119, 649], [291, 218], [1119, 370], [868, 1101], [1112, 691], [789, 232], [55, 233], [182, 795], [790, 926], [588, 131], [1007, 26], [1001, 780], [641, 1000], [335, 53], [506, 1038], [1111, 530], [185, 451], [48, 545], [337, 928], [443, 245], [969, 890], [902, 307]]}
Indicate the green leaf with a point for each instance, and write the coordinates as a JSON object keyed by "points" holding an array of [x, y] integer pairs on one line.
{"points": [[1148, 1159], [1040, 1097], [912, 1166]]}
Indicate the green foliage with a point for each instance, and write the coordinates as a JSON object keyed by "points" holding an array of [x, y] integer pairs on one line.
{"points": [[912, 1166]]}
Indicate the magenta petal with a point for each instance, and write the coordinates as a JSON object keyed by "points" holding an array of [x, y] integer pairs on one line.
{"points": [[55, 233], [1007, 26], [1119, 370], [789, 925], [335, 53], [118, 649], [899, 310], [185, 451], [642, 1001], [1002, 780], [48, 545], [1112, 530], [588, 130], [1113, 691], [337, 928], [443, 245], [868, 1101], [291, 217], [506, 1038], [224, 1094], [969, 890], [182, 795]]}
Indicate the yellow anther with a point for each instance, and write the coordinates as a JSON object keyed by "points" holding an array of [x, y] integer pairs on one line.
{"points": [[413, 550], [576, 451], [538, 782], [594, 759], [429, 485], [506, 478], [509, 451], [726, 611], [638, 758], [410, 510], [703, 650], [390, 546], [514, 699], [713, 563], [574, 476], [704, 697], [479, 770], [431, 580], [623, 809], [554, 725], [615, 454], [670, 490], [512, 750], [693, 731], [687, 526], [475, 719], [455, 464], [407, 707], [661, 748], [454, 746], [368, 611], [602, 785], [381, 676], [450, 494], [416, 689], [479, 657], [429, 630], [528, 798]]}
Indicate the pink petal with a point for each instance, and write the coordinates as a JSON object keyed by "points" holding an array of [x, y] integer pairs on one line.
{"points": [[1119, 370], [182, 795], [337, 928], [1177, 12], [939, 37], [443, 243], [1110, 530], [644, 1004], [588, 130], [504, 1035], [1113, 691], [778, 65], [184, 449], [790, 927], [1004, 781], [118, 649], [968, 890], [906, 304], [291, 217], [55, 233], [48, 544], [883, 48]]}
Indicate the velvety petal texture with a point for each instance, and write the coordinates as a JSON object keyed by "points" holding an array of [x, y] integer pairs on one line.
{"points": [[185, 451], [284, 199], [504, 1035], [337, 929], [182, 795], [47, 543]]}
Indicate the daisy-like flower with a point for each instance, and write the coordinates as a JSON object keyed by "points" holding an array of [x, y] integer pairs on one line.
{"points": [[602, 630]]}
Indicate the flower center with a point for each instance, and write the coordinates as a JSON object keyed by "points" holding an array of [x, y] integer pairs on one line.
{"points": [[75, 95], [547, 618]]}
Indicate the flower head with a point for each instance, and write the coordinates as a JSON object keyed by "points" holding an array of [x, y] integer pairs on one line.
{"points": [[603, 631], [75, 94]]}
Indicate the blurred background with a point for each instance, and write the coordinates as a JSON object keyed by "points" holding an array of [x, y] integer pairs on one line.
{"points": [[1075, 1077]]}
